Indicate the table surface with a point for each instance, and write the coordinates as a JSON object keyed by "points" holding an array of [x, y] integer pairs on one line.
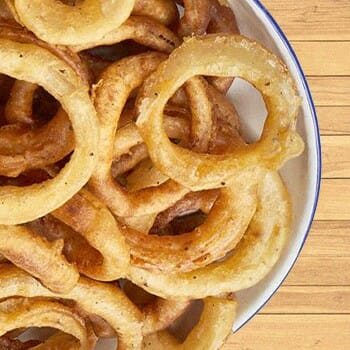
{"points": [[312, 309]]}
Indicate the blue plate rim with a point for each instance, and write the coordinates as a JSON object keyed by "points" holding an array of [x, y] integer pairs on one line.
{"points": [[311, 104]]}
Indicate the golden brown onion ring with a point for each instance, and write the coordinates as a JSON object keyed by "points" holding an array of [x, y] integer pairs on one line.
{"points": [[57, 23], [222, 230], [23, 61], [25, 313], [110, 96], [22, 149], [19, 107], [279, 141], [142, 30], [250, 262], [210, 333], [19, 34], [202, 113], [196, 18], [104, 300], [91, 219], [38, 257], [163, 11]]}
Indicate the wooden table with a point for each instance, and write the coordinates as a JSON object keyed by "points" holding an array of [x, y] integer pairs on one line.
{"points": [[312, 308]]}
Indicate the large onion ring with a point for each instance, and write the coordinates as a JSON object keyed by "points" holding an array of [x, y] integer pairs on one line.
{"points": [[57, 23], [23, 61], [111, 93], [221, 231], [252, 259], [238, 56]]}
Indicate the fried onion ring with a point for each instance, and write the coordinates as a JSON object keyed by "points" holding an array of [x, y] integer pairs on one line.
{"points": [[111, 94], [219, 234], [57, 23], [22, 61], [279, 141], [104, 300], [37, 256], [210, 333], [26, 313], [163, 11], [19, 108], [22, 149], [87, 215], [251, 260], [142, 30]]}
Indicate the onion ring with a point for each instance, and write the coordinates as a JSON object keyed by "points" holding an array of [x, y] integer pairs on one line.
{"points": [[115, 85], [163, 11], [104, 300], [142, 30], [94, 222], [22, 61], [37, 256], [279, 141], [22, 149], [206, 243], [202, 113], [210, 333], [19, 106], [57, 23], [252, 259], [26, 313]]}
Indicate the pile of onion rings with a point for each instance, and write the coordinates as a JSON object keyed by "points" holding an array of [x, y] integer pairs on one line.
{"points": [[128, 196]]}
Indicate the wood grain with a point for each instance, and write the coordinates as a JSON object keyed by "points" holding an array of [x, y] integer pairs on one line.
{"points": [[309, 300], [334, 120], [335, 155], [312, 19], [315, 57], [330, 91], [334, 200], [292, 332]]}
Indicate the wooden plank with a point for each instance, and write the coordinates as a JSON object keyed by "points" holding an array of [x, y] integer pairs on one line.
{"points": [[291, 332], [335, 155], [315, 57], [330, 91], [309, 300], [334, 200], [320, 271], [312, 19], [328, 239], [334, 120]]}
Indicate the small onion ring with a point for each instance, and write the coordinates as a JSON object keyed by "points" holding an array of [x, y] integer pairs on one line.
{"points": [[23, 61], [57, 23], [238, 56]]}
